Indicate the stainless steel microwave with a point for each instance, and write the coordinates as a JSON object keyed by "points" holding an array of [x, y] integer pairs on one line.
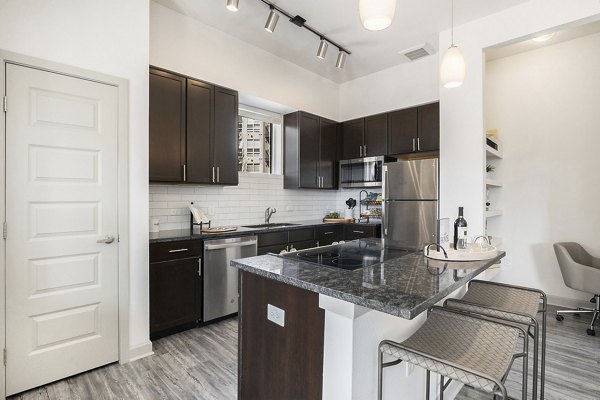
{"points": [[362, 172]]}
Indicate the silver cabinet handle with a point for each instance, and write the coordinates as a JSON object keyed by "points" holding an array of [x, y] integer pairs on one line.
{"points": [[108, 239], [177, 250], [199, 267], [359, 232], [360, 150], [184, 173], [365, 150], [328, 233], [228, 245], [213, 174], [418, 144], [414, 147], [218, 174]]}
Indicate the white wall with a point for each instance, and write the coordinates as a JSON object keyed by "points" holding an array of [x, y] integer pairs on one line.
{"points": [[462, 155], [242, 204], [402, 86], [185, 45], [109, 36], [545, 105]]}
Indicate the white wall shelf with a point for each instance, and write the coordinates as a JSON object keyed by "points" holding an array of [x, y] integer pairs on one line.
{"points": [[492, 153], [493, 213], [493, 183]]}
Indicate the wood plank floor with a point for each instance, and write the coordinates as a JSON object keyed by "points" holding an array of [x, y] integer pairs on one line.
{"points": [[202, 364]]}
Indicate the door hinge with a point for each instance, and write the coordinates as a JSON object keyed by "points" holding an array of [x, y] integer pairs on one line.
{"points": [[4, 102], [4, 230], [4, 356]]}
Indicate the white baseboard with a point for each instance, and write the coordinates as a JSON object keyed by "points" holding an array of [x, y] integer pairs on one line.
{"points": [[568, 302], [140, 351]]}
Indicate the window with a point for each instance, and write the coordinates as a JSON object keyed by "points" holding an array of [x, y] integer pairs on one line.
{"points": [[259, 141]]}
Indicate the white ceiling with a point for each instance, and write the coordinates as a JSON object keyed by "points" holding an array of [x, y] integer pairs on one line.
{"points": [[416, 22], [528, 44]]}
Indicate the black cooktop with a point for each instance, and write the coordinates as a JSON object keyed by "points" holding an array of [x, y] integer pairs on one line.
{"points": [[349, 256]]}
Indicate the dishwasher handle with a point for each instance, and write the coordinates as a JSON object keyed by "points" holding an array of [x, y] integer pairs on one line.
{"points": [[229, 245]]}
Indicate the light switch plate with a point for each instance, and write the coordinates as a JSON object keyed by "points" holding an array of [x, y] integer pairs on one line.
{"points": [[276, 315]]}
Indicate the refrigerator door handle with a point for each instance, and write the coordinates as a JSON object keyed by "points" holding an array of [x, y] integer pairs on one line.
{"points": [[383, 193]]}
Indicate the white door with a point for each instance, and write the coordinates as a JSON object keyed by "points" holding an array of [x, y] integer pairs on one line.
{"points": [[61, 202]]}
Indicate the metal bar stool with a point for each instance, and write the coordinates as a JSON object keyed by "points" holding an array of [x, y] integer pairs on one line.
{"points": [[511, 303], [475, 350]]}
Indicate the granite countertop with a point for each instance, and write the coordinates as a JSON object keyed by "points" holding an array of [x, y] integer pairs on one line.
{"points": [[403, 287], [185, 234]]}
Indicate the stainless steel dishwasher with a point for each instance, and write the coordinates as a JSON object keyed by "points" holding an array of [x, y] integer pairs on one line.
{"points": [[220, 294]]}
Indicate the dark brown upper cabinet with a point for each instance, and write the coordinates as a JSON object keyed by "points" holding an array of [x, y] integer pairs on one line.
{"points": [[429, 127], [310, 151], [167, 126], [225, 136], [376, 135], [193, 130], [353, 136], [415, 129], [365, 137]]}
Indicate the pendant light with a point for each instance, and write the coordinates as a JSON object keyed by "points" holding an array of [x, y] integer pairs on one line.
{"points": [[232, 5], [452, 69], [272, 21], [376, 15]]}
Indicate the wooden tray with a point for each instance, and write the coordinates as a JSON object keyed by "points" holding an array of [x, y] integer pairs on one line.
{"points": [[327, 220], [220, 229]]}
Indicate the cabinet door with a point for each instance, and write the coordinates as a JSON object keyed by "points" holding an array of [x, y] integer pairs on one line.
{"points": [[328, 165], [199, 124], [352, 138], [225, 136], [429, 127], [327, 234], [167, 126], [357, 231], [376, 135], [175, 293], [309, 150], [404, 130]]}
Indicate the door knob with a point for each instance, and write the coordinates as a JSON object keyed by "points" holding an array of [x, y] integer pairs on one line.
{"points": [[108, 239]]}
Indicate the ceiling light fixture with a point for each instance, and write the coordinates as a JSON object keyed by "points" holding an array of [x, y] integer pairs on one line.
{"points": [[341, 59], [376, 15], [322, 49], [452, 69], [272, 21], [232, 5], [300, 22], [543, 38]]}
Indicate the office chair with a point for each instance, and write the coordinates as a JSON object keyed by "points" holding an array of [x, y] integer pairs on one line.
{"points": [[581, 272]]}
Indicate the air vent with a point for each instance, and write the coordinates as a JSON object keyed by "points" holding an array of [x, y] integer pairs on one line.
{"points": [[414, 53]]}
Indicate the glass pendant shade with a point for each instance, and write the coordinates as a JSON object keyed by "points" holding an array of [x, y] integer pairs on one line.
{"points": [[452, 70], [376, 15]]}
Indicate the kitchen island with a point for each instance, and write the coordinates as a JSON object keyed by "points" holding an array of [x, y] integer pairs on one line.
{"points": [[333, 319]]}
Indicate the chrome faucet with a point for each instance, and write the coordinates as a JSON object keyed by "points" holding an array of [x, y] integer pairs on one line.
{"points": [[268, 213]]}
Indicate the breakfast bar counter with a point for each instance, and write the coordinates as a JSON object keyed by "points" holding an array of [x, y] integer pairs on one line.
{"points": [[319, 315]]}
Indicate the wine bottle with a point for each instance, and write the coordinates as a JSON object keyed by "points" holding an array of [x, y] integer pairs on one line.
{"points": [[460, 229]]}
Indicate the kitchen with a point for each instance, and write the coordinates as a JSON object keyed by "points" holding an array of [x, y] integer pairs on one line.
{"points": [[66, 35]]}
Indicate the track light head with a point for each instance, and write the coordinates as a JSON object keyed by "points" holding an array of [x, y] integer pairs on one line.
{"points": [[341, 60], [272, 21], [232, 5], [322, 49]]}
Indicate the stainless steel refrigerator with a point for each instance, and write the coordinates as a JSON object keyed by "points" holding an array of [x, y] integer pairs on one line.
{"points": [[410, 203]]}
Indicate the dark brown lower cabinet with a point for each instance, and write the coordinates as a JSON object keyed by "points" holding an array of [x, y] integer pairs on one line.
{"points": [[327, 234], [278, 362], [358, 231], [175, 287]]}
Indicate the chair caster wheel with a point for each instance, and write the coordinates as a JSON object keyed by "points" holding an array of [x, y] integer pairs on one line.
{"points": [[591, 332], [559, 317]]}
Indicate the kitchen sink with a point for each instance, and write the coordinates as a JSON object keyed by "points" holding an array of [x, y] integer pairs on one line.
{"points": [[269, 225]]}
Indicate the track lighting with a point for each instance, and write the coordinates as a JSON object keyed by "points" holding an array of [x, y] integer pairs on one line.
{"points": [[341, 59], [232, 5], [452, 70], [322, 49], [272, 21], [376, 15]]}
